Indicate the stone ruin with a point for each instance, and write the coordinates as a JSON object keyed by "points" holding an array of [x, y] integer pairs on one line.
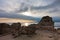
{"points": [[46, 23]]}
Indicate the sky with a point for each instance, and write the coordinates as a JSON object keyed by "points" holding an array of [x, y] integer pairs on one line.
{"points": [[8, 20], [30, 9]]}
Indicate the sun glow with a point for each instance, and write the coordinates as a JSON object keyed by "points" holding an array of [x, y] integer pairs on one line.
{"points": [[27, 13], [26, 24]]}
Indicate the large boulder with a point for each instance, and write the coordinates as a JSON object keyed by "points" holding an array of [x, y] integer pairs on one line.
{"points": [[16, 25], [46, 23], [15, 29], [4, 28]]}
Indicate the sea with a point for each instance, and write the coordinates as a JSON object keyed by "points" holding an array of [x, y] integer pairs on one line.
{"points": [[57, 25]]}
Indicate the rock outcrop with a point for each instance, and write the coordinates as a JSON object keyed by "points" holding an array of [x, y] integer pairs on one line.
{"points": [[46, 23], [29, 30], [4, 28], [15, 29], [58, 30]]}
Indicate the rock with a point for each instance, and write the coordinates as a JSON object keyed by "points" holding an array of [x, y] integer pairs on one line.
{"points": [[58, 30], [31, 29], [16, 28], [4, 28], [46, 23]]}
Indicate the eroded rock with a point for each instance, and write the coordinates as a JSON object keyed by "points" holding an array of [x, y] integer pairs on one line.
{"points": [[46, 23]]}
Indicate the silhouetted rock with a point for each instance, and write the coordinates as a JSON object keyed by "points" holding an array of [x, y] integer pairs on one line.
{"points": [[46, 23], [15, 28], [31, 29], [4, 28]]}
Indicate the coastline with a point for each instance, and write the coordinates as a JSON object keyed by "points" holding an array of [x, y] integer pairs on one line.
{"points": [[56, 27]]}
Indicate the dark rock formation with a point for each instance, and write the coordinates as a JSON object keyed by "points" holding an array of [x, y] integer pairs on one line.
{"points": [[58, 30], [16, 28], [31, 29], [4, 28], [46, 23]]}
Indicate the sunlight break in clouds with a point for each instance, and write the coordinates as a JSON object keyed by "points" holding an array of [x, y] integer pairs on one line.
{"points": [[29, 9]]}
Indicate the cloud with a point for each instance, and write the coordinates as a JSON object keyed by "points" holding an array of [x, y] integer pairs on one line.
{"points": [[12, 5], [49, 10], [9, 5], [40, 2], [29, 9]]}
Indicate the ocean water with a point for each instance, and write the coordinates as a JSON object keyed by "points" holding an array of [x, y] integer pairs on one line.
{"points": [[57, 25]]}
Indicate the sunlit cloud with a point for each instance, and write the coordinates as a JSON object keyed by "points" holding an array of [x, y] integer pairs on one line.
{"points": [[29, 8]]}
